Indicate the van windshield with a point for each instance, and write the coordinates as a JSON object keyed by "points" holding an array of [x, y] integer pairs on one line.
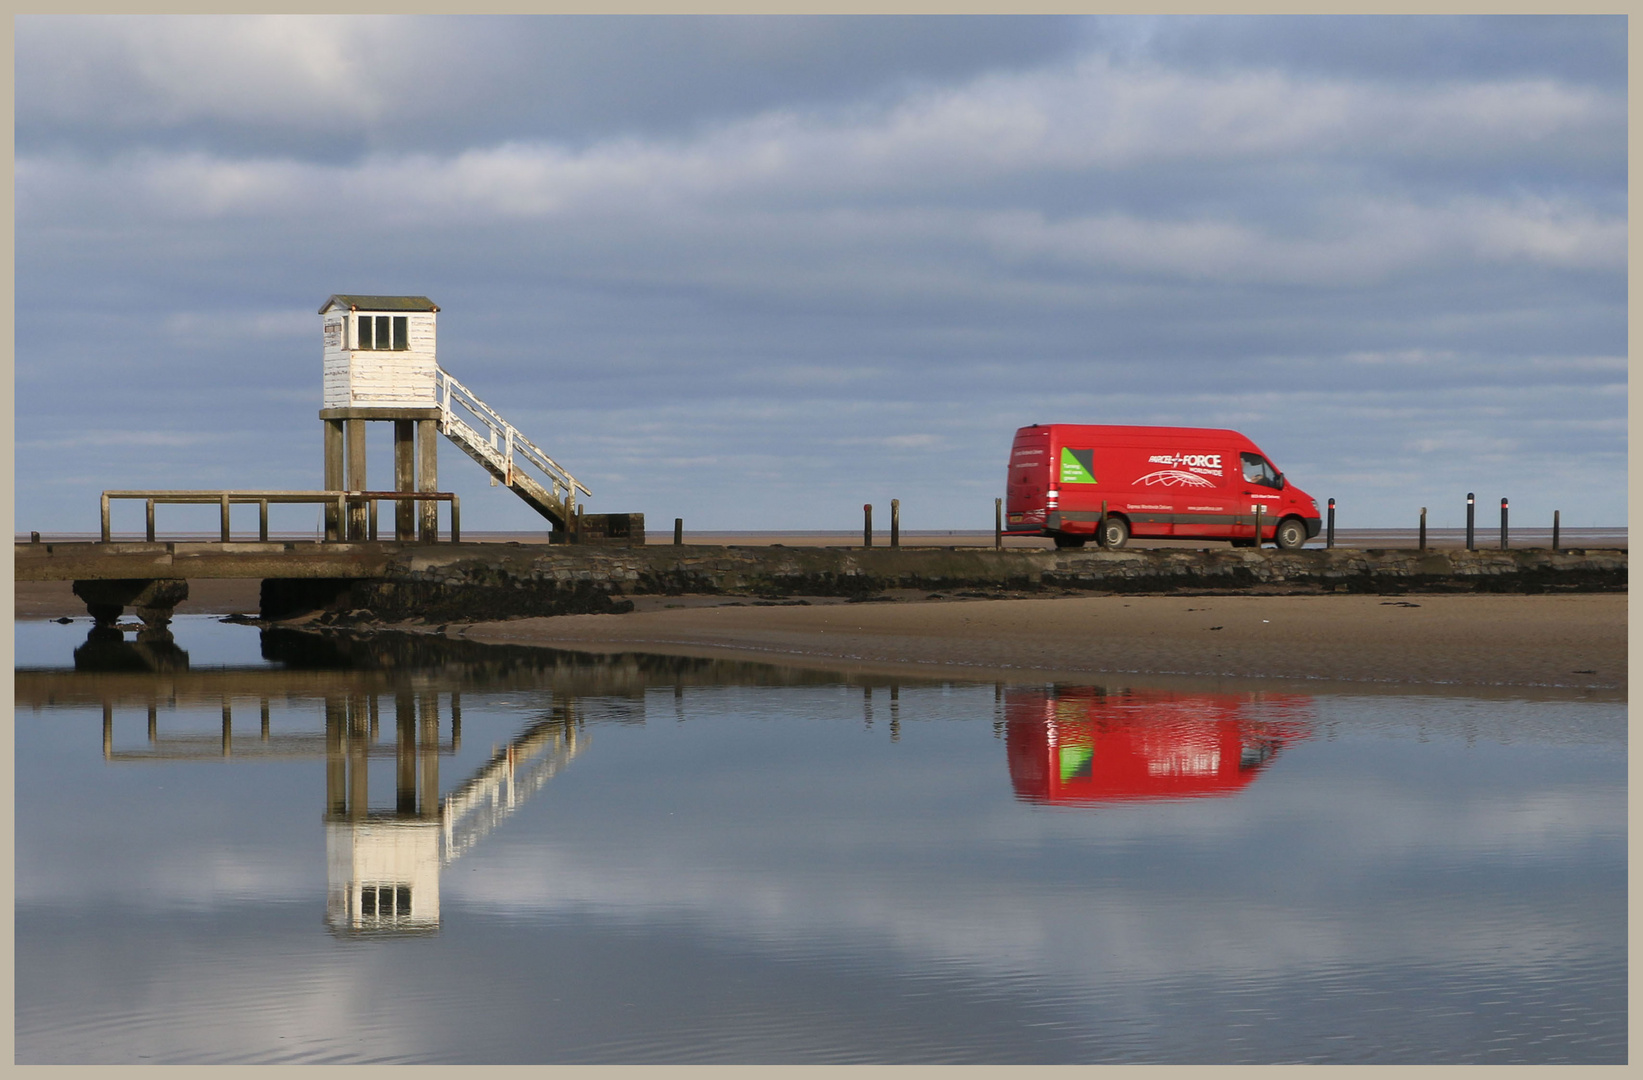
{"points": [[1257, 470]]}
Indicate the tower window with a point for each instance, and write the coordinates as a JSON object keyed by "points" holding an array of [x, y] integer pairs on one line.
{"points": [[383, 332]]}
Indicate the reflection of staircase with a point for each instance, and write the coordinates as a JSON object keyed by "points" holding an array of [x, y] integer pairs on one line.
{"points": [[513, 774], [506, 454]]}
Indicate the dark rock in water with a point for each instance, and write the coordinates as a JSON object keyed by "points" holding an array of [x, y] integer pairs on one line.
{"points": [[65, 620]]}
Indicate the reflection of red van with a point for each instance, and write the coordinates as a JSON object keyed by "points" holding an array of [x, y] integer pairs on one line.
{"points": [[1082, 745], [1205, 483]]}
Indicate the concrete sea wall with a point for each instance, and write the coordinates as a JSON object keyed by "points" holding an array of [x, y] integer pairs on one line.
{"points": [[466, 582]]}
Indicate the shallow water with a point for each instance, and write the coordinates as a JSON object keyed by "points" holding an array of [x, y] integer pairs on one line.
{"points": [[409, 853]]}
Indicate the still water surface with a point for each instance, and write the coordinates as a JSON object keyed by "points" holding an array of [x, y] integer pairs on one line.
{"points": [[279, 851]]}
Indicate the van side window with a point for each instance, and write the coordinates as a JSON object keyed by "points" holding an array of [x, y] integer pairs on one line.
{"points": [[1258, 471]]}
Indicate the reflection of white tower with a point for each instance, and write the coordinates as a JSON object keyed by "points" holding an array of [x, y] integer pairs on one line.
{"points": [[382, 875], [382, 867]]}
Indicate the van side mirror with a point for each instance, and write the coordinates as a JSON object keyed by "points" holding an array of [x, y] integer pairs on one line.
{"points": [[1280, 481]]}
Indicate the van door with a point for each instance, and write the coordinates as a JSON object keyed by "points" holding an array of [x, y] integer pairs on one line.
{"points": [[1258, 491]]}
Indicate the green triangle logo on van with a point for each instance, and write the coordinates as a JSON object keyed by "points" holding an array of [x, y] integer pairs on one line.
{"points": [[1077, 466]]}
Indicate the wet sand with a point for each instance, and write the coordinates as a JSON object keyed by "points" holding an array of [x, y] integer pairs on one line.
{"points": [[1425, 641], [1565, 642]]}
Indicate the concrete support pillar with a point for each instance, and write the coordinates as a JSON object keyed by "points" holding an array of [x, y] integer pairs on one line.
{"points": [[333, 474], [154, 598], [356, 477], [427, 475], [404, 478]]}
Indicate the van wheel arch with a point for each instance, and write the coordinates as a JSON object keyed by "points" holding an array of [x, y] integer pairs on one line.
{"points": [[1291, 534]]}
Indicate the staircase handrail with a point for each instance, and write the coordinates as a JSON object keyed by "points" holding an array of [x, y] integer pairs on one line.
{"points": [[449, 387]]}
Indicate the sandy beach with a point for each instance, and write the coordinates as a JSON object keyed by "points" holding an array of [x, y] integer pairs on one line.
{"points": [[1426, 641]]}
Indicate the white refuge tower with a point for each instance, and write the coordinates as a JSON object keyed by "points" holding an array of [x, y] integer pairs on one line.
{"points": [[381, 363], [379, 352]]}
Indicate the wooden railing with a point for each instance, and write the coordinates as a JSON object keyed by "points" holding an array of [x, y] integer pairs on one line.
{"points": [[502, 445], [337, 500]]}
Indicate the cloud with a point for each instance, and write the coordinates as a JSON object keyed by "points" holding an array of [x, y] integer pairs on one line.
{"points": [[1135, 220]]}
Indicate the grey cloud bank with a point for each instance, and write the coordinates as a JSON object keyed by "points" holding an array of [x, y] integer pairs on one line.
{"points": [[757, 271]]}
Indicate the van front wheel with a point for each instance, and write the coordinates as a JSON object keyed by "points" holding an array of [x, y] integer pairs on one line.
{"points": [[1115, 532], [1291, 534]]}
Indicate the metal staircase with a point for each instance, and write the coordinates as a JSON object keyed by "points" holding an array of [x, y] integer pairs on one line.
{"points": [[506, 454]]}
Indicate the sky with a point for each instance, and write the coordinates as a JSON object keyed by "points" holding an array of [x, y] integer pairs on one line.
{"points": [[755, 271]]}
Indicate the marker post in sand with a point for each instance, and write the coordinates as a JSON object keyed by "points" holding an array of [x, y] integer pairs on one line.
{"points": [[867, 525]]}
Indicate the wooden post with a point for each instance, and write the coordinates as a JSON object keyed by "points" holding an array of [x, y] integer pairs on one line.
{"points": [[227, 728], [404, 478], [333, 474], [427, 477], [867, 525], [895, 523], [1503, 523], [105, 517], [149, 513], [1329, 539], [371, 519], [1260, 510], [456, 518], [1101, 526], [224, 504], [1423, 529], [1554, 529], [262, 520], [1471, 507], [357, 512], [678, 532], [998, 524]]}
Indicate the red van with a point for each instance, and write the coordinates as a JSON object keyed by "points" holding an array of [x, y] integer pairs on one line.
{"points": [[1201, 483]]}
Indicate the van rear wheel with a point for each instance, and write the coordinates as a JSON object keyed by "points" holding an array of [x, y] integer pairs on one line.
{"points": [[1291, 534], [1062, 540], [1115, 532]]}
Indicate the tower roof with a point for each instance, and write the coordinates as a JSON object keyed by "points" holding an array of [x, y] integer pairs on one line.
{"points": [[378, 303]]}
